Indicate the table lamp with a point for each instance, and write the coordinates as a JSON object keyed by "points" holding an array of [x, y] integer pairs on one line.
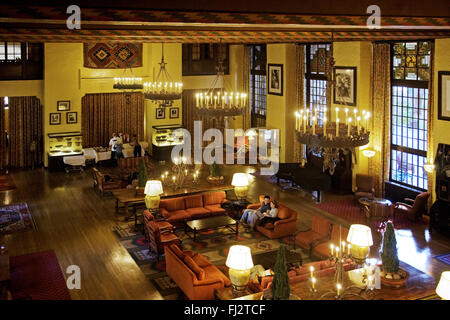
{"points": [[443, 288], [360, 237], [240, 262], [153, 189], [240, 183]]}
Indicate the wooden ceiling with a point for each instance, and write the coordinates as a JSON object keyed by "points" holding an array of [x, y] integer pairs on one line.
{"points": [[228, 21]]}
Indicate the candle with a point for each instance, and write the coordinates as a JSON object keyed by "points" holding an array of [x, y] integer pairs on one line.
{"points": [[313, 282], [314, 125], [337, 252], [297, 115], [311, 269], [355, 111], [325, 126], [197, 100], [173, 178], [304, 124], [332, 249], [358, 119], [337, 113], [339, 287], [337, 127], [346, 113], [349, 248], [349, 126]]}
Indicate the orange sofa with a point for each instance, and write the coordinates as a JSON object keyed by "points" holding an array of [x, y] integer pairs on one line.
{"points": [[181, 209], [286, 226], [193, 273]]}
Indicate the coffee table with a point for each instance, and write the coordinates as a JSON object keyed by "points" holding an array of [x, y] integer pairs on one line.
{"points": [[382, 206], [268, 259], [194, 226]]}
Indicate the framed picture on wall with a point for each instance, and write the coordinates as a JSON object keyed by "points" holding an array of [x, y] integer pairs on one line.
{"points": [[160, 113], [275, 79], [174, 113], [63, 105], [444, 95], [71, 117], [55, 118], [345, 88]]}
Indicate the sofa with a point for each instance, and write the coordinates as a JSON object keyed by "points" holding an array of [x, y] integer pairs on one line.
{"points": [[286, 226], [320, 231], [302, 273], [180, 209], [105, 186], [193, 273]]}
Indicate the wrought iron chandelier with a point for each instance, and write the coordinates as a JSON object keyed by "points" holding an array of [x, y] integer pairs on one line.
{"points": [[128, 82], [219, 100], [332, 136], [163, 90]]}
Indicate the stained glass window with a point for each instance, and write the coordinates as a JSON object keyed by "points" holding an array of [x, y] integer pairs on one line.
{"points": [[411, 60]]}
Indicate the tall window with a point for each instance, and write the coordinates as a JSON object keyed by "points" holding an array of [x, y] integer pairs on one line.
{"points": [[201, 59], [258, 98], [409, 94], [10, 51], [315, 77]]}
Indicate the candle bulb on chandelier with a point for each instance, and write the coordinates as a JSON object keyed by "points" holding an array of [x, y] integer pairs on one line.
{"points": [[325, 126], [337, 127], [349, 126], [332, 249], [314, 125], [313, 282], [346, 113], [337, 113], [304, 124], [311, 270]]}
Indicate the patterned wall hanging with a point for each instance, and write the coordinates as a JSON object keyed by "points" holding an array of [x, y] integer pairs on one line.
{"points": [[112, 55]]}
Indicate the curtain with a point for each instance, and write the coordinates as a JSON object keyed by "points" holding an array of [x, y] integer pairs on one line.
{"points": [[106, 113], [300, 83], [2, 135], [430, 140], [380, 119], [25, 126], [246, 118]]}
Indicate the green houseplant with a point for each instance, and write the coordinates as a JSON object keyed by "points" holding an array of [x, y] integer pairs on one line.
{"points": [[280, 286], [391, 274], [215, 176]]}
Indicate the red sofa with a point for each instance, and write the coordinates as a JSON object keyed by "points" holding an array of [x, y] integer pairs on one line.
{"points": [[181, 209]]}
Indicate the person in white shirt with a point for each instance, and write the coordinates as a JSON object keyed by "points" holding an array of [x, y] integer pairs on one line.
{"points": [[112, 144], [270, 216]]}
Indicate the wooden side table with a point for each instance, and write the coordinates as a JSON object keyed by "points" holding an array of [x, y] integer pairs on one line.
{"points": [[226, 293]]}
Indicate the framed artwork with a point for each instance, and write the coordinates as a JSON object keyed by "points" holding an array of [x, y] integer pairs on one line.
{"points": [[345, 88], [174, 113], [63, 105], [55, 118], [444, 95], [160, 113], [275, 79], [71, 117]]}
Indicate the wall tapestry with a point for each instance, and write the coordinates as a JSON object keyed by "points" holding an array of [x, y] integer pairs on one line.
{"points": [[112, 55]]}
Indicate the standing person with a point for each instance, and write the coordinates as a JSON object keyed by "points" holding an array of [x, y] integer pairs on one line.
{"points": [[112, 144], [270, 216], [137, 147], [251, 216], [119, 146]]}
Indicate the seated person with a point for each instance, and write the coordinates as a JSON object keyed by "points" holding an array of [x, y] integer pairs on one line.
{"points": [[270, 216], [251, 216]]}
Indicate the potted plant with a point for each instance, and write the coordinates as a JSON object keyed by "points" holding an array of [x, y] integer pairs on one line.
{"points": [[215, 176], [391, 274], [142, 178]]}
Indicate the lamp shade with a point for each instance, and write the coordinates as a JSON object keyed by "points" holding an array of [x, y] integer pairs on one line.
{"points": [[240, 180], [239, 258], [360, 235], [153, 188], [443, 288], [368, 153]]}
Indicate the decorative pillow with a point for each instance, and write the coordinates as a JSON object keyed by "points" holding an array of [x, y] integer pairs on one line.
{"points": [[199, 272], [194, 201]]}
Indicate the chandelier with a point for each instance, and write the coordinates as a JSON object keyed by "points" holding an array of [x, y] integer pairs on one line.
{"points": [[163, 90], [128, 83], [345, 133], [219, 101]]}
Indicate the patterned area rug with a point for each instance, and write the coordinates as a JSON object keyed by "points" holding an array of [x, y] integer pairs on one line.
{"points": [[213, 244], [16, 218], [6, 183], [112, 55], [445, 258], [349, 209]]}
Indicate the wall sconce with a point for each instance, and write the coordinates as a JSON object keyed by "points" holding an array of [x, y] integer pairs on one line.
{"points": [[429, 167], [369, 153]]}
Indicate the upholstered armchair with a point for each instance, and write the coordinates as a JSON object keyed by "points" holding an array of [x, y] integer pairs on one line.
{"points": [[365, 186], [320, 231], [105, 186], [162, 225], [159, 239], [412, 208]]}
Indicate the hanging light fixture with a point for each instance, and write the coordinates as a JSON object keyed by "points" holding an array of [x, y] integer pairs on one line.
{"points": [[163, 90], [127, 82], [219, 100]]}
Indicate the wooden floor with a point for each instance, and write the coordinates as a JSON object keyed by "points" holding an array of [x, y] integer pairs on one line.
{"points": [[77, 223]]}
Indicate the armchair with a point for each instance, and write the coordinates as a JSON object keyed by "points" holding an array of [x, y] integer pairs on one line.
{"points": [[162, 225], [320, 231], [104, 186], [414, 208], [365, 186], [321, 249], [159, 239]]}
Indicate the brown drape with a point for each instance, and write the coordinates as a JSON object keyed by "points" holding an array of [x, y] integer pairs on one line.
{"points": [[189, 114], [25, 126], [246, 118], [380, 126], [103, 114], [2, 134], [430, 139], [300, 83]]}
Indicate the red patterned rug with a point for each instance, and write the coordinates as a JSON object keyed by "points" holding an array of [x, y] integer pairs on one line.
{"points": [[37, 276], [16, 218], [349, 209], [6, 183]]}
